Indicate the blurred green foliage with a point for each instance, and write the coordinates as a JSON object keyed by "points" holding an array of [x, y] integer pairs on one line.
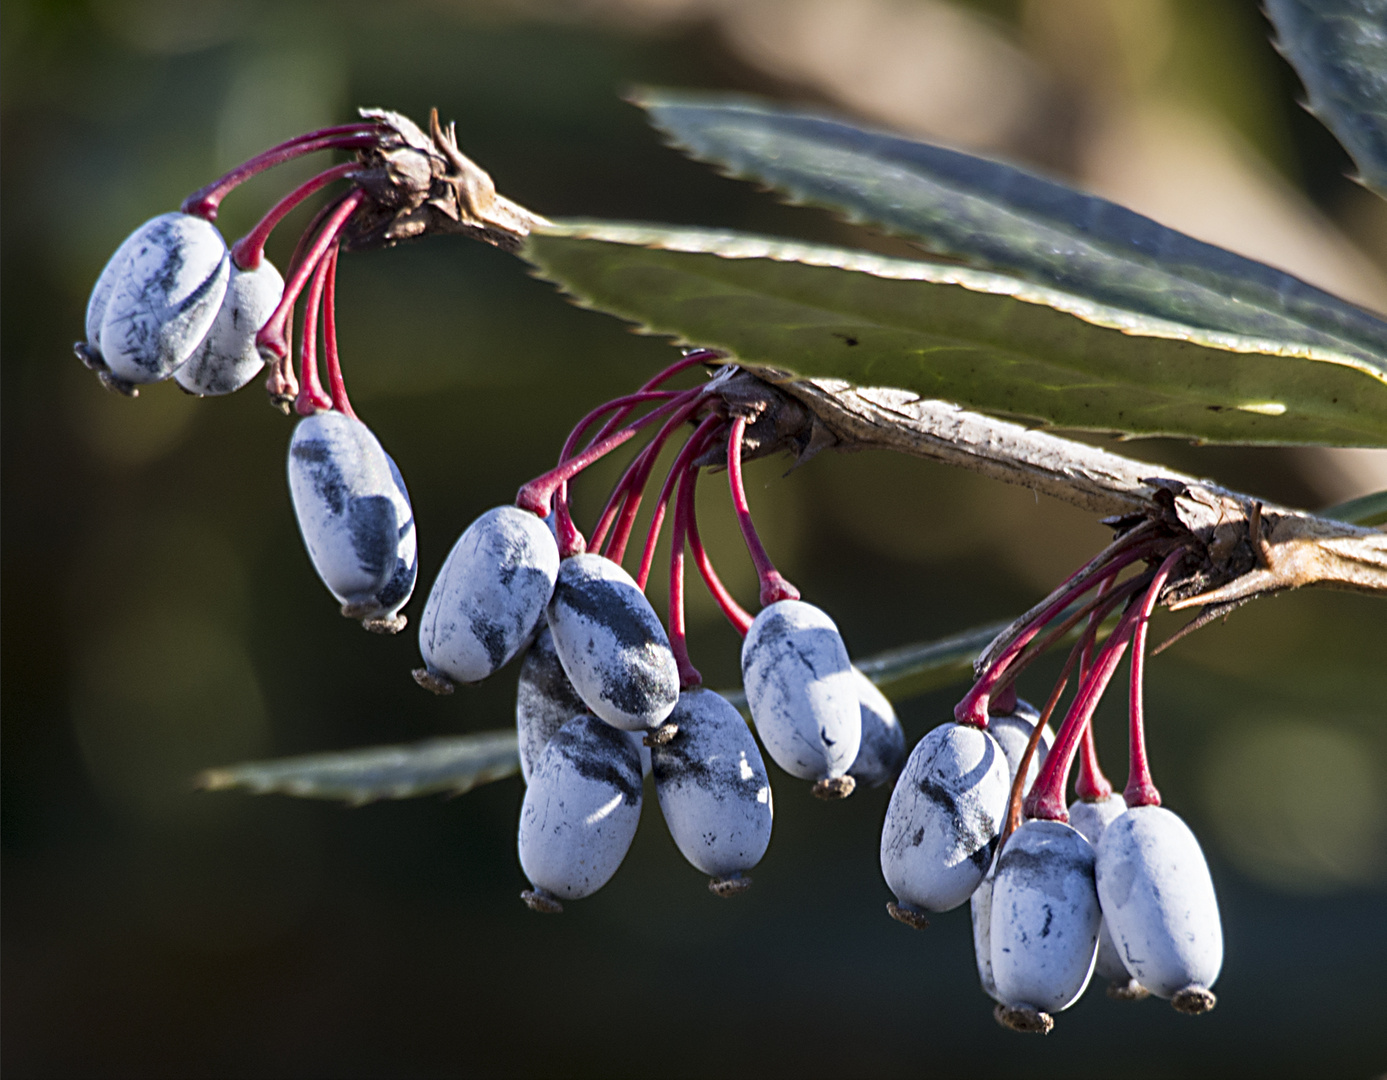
{"points": [[160, 616]]}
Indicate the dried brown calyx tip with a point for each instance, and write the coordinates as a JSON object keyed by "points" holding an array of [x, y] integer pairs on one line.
{"points": [[1024, 1018], [1131, 990], [1193, 1000], [437, 684], [731, 885], [541, 901], [392, 625], [661, 735], [834, 787], [913, 917]]}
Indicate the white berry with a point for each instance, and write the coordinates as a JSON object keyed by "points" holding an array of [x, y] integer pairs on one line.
{"points": [[1091, 819], [1158, 900], [163, 297], [882, 751], [227, 358], [712, 786], [611, 644], [581, 809], [1013, 731], [354, 514], [801, 690], [1045, 917], [944, 817], [490, 595]]}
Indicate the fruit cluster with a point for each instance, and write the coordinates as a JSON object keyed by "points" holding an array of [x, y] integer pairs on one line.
{"points": [[608, 693]]}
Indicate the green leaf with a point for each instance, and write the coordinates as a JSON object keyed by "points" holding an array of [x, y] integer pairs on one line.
{"points": [[1339, 50], [997, 217], [451, 765], [1364, 510], [984, 340]]}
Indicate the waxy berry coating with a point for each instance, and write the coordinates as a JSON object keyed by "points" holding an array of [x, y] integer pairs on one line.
{"points": [[944, 817], [545, 700], [490, 595], [611, 644], [1092, 819], [712, 786], [227, 358], [354, 514], [980, 908], [801, 690], [1158, 900], [882, 750], [1013, 731], [1045, 917], [581, 809], [158, 297]]}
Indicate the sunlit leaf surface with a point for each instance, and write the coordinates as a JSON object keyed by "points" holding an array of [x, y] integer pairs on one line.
{"points": [[994, 216], [987, 341]]}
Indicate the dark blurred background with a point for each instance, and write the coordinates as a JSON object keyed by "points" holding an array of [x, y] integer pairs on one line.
{"points": [[160, 615]]}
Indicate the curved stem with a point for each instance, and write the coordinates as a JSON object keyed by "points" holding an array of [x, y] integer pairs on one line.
{"points": [[205, 201], [336, 384], [774, 586], [973, 708], [248, 251], [678, 636], [737, 615], [272, 339], [632, 501], [537, 494], [311, 398], [1140, 791], [1018, 782], [687, 453], [1047, 796], [1090, 784], [690, 359]]}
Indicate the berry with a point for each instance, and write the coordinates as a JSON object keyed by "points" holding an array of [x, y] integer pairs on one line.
{"points": [[713, 790], [882, 752], [1092, 819], [980, 907], [355, 517], [611, 644], [489, 597], [580, 812], [1159, 903], [1013, 731], [227, 359], [545, 700], [801, 691], [943, 820], [157, 298], [1045, 919]]}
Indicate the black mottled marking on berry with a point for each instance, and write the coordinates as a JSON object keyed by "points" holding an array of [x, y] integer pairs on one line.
{"points": [[401, 583], [968, 820], [321, 464], [495, 639], [685, 758], [371, 526], [543, 672], [918, 838], [1044, 870], [599, 752], [636, 687], [1049, 918], [172, 266], [609, 606]]}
